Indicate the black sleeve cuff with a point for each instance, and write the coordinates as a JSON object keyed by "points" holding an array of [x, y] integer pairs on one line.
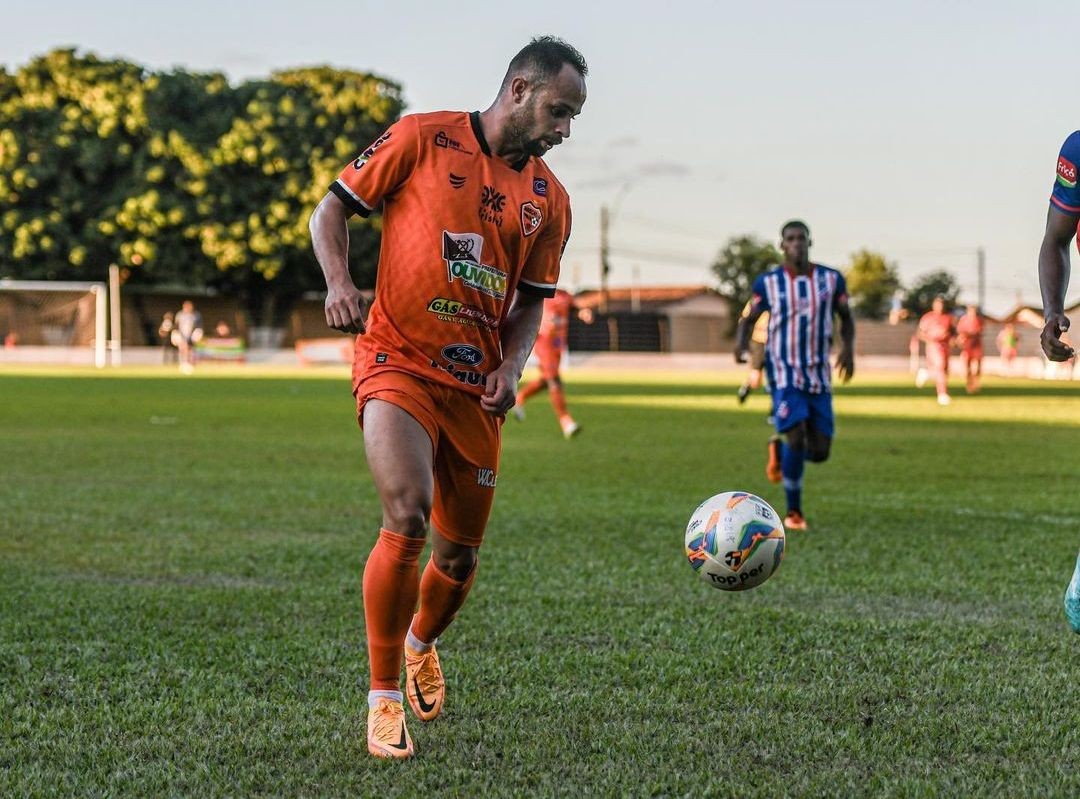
{"points": [[536, 291], [351, 202]]}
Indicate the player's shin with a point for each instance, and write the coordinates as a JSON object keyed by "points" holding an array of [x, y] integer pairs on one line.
{"points": [[391, 586], [441, 597]]}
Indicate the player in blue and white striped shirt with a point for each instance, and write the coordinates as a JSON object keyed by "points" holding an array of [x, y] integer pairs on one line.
{"points": [[1061, 227], [802, 298]]}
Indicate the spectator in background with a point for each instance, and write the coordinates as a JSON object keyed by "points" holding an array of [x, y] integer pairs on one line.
{"points": [[165, 336], [222, 329], [969, 331], [936, 331], [187, 334], [1008, 342]]}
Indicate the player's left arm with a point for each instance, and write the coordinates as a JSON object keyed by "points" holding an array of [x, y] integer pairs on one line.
{"points": [[845, 358], [1054, 270], [518, 336]]}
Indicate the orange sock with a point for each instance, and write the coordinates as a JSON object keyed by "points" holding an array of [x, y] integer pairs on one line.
{"points": [[440, 599], [534, 387], [390, 591], [558, 402]]}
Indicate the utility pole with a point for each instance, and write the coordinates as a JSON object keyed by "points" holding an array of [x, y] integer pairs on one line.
{"points": [[114, 313], [980, 254], [605, 264]]}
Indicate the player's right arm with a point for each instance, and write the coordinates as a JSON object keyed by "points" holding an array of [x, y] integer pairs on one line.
{"points": [[1054, 263], [344, 305], [375, 175], [753, 309]]}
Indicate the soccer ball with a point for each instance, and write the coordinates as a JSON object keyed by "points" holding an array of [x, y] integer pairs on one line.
{"points": [[734, 541]]}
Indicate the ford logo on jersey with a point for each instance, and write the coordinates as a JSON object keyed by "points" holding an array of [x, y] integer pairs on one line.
{"points": [[465, 354]]}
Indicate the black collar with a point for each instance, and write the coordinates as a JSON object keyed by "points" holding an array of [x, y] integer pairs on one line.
{"points": [[474, 120]]}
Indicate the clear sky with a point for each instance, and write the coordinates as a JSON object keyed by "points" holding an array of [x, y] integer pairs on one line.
{"points": [[921, 129]]}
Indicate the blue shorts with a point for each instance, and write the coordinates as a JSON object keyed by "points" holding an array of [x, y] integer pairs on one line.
{"points": [[793, 405]]}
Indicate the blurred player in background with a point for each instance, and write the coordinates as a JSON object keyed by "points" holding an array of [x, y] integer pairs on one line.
{"points": [[936, 331], [758, 338], [550, 345], [969, 332], [1061, 227], [1008, 342], [474, 224], [801, 299]]}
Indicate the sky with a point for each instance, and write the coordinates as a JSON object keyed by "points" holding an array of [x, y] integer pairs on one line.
{"points": [[922, 130]]}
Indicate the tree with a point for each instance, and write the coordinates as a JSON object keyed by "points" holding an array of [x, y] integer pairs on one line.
{"points": [[935, 284], [181, 178], [871, 284], [736, 267]]}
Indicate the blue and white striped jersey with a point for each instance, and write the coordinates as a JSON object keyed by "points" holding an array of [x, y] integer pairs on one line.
{"points": [[801, 309]]}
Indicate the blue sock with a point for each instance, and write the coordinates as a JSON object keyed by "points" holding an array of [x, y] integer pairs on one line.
{"points": [[792, 462]]}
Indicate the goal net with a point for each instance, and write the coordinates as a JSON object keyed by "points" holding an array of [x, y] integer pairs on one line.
{"points": [[53, 314]]}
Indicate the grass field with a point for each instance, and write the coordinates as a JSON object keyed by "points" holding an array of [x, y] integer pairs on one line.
{"points": [[180, 597]]}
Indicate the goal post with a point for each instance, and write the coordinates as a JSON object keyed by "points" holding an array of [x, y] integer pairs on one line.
{"points": [[57, 312]]}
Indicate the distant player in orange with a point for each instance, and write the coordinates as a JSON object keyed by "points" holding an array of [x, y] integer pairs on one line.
{"points": [[969, 332], [474, 224], [550, 345], [936, 331]]}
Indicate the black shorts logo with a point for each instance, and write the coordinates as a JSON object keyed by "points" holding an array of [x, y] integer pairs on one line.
{"points": [[381, 357]]}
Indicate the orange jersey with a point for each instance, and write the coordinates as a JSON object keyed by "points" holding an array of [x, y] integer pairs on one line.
{"points": [[463, 231], [937, 327], [970, 330], [555, 325]]}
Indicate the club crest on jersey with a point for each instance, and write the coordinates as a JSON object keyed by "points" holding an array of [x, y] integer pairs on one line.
{"points": [[370, 151], [531, 217], [1066, 172], [461, 251]]}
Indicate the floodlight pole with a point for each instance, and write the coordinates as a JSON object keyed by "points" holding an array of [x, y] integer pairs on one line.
{"points": [[114, 313], [980, 254]]}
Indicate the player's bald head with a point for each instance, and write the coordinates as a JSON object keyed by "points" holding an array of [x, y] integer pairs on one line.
{"points": [[542, 59]]}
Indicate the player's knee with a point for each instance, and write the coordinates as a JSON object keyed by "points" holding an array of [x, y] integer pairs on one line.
{"points": [[796, 437], [456, 564], [407, 513], [818, 451]]}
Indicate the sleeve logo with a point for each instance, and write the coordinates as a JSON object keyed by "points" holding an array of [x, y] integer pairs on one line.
{"points": [[540, 187], [370, 151], [1066, 172], [531, 217]]}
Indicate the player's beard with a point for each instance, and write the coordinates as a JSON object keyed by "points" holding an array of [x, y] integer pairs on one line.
{"points": [[517, 131]]}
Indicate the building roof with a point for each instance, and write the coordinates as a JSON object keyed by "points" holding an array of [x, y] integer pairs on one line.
{"points": [[646, 295]]}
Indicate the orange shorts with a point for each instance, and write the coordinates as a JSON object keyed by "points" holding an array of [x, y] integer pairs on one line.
{"points": [[549, 357], [465, 443]]}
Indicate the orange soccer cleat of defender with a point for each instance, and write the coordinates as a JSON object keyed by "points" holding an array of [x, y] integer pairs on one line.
{"points": [[424, 683], [386, 732]]}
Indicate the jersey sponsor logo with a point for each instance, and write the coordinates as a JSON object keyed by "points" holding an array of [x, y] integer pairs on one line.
{"points": [[444, 141], [492, 205], [463, 377], [461, 251], [457, 181], [540, 187], [531, 217], [1066, 172], [461, 313], [464, 354], [370, 151], [486, 477]]}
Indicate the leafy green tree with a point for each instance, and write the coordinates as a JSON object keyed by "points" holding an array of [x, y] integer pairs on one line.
{"points": [[934, 284], [180, 178], [736, 267], [871, 282]]}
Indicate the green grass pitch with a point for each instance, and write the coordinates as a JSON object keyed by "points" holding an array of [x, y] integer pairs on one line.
{"points": [[180, 608]]}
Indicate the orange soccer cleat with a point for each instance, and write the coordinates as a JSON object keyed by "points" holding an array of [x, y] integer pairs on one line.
{"points": [[386, 732], [424, 683], [795, 521]]}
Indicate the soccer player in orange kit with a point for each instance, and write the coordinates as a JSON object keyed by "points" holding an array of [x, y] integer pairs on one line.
{"points": [[969, 330], [936, 330], [550, 345], [474, 224]]}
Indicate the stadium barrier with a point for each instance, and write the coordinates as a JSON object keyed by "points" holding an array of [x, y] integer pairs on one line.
{"points": [[227, 350], [311, 351]]}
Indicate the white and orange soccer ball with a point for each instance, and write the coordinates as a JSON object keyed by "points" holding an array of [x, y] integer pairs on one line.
{"points": [[735, 541]]}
